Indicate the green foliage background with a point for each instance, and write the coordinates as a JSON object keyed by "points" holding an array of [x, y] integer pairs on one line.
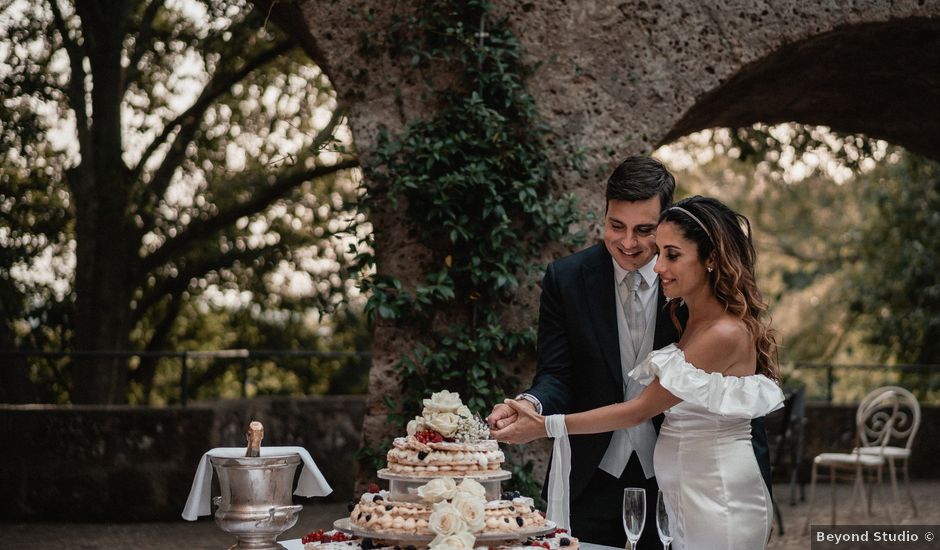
{"points": [[476, 181]]}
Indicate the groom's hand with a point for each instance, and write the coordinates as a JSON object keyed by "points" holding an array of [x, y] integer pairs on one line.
{"points": [[503, 415], [526, 426]]}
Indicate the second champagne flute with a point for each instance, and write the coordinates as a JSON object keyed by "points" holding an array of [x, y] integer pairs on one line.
{"points": [[634, 514], [663, 526]]}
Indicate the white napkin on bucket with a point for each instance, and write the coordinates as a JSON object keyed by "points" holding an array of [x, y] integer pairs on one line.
{"points": [[310, 484]]}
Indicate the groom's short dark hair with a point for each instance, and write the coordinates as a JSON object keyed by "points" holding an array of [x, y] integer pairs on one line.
{"points": [[639, 178]]}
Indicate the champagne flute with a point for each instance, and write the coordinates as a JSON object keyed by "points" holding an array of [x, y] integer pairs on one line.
{"points": [[634, 514], [663, 526]]}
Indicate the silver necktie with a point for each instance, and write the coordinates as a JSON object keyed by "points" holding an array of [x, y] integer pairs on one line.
{"points": [[633, 307]]}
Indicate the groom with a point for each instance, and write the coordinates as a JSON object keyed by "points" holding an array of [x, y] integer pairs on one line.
{"points": [[602, 312]]}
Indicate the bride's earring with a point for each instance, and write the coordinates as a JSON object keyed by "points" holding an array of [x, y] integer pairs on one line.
{"points": [[710, 269]]}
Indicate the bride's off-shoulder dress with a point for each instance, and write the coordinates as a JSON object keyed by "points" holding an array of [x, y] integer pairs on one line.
{"points": [[704, 461]]}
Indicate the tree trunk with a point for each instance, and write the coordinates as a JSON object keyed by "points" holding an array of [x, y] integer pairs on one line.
{"points": [[102, 320], [103, 289], [106, 254]]}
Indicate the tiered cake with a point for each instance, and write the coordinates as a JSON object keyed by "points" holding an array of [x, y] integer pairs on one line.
{"points": [[444, 487]]}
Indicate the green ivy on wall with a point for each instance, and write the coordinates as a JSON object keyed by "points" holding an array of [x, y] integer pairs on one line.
{"points": [[476, 181]]}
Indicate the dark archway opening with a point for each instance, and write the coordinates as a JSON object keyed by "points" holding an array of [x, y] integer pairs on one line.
{"points": [[879, 79]]}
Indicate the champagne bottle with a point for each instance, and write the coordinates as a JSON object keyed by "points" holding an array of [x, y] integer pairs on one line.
{"points": [[255, 435]]}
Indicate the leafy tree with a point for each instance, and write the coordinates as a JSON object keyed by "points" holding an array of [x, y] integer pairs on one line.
{"points": [[157, 153], [847, 231], [32, 222], [894, 285]]}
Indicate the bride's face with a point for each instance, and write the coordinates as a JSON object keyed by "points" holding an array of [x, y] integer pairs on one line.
{"points": [[680, 272]]}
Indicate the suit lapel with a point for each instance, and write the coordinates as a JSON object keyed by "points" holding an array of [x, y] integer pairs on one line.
{"points": [[598, 278]]}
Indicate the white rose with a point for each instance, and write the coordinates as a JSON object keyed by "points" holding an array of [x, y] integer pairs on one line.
{"points": [[445, 519], [444, 423], [472, 487], [438, 489], [471, 510], [458, 541], [443, 401], [464, 411], [415, 426]]}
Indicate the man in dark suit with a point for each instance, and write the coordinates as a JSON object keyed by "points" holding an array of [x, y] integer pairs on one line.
{"points": [[601, 313]]}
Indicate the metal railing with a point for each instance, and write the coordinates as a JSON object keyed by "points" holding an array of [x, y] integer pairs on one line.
{"points": [[848, 383], [244, 358], [832, 383]]}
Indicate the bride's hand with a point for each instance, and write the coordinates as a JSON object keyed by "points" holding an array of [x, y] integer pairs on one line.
{"points": [[528, 426]]}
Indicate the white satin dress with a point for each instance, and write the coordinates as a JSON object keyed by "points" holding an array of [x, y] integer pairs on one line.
{"points": [[704, 461]]}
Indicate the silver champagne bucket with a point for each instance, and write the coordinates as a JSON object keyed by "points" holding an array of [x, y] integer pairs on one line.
{"points": [[255, 504]]}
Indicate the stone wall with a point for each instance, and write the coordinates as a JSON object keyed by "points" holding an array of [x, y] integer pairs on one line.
{"points": [[621, 78], [120, 463], [112, 464]]}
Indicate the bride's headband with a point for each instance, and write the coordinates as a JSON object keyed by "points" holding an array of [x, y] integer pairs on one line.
{"points": [[698, 221]]}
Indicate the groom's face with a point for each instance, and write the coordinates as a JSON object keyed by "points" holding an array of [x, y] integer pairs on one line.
{"points": [[630, 231]]}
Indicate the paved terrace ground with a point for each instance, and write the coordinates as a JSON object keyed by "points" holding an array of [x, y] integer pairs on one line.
{"points": [[204, 535]]}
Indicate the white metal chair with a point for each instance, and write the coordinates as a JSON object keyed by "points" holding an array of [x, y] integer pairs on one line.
{"points": [[874, 423], [896, 449]]}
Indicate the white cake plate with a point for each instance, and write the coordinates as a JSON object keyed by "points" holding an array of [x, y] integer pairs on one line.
{"points": [[347, 527]]}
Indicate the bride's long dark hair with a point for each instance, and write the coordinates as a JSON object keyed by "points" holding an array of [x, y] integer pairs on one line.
{"points": [[725, 236]]}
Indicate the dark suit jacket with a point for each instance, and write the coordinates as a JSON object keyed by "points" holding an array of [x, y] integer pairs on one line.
{"points": [[579, 353]]}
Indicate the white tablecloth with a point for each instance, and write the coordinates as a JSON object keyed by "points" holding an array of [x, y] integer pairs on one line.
{"points": [[295, 544]]}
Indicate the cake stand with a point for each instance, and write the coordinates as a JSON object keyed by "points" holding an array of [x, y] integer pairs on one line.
{"points": [[404, 487], [347, 527]]}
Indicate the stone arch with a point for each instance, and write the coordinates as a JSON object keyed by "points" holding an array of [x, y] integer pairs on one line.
{"points": [[879, 79], [621, 78]]}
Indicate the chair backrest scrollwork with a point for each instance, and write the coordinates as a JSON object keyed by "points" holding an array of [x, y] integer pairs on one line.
{"points": [[888, 416]]}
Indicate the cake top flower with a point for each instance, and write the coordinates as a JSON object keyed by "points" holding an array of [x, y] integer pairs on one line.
{"points": [[444, 413], [443, 402]]}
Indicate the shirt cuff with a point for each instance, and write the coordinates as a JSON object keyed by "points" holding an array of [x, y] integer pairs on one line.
{"points": [[531, 399]]}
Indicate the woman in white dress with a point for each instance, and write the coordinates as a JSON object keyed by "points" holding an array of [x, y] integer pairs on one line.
{"points": [[720, 374]]}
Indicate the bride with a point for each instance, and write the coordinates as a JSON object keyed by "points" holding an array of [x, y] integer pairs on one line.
{"points": [[720, 374]]}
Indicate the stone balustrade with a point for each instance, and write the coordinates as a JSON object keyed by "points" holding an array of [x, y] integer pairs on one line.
{"points": [[123, 463]]}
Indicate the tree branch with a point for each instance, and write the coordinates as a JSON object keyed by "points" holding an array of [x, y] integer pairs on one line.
{"points": [[326, 134], [261, 199], [162, 330], [142, 43], [147, 368], [176, 285], [188, 122], [76, 91], [216, 369]]}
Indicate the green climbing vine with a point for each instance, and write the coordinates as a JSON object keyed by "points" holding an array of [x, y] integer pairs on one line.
{"points": [[475, 179]]}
